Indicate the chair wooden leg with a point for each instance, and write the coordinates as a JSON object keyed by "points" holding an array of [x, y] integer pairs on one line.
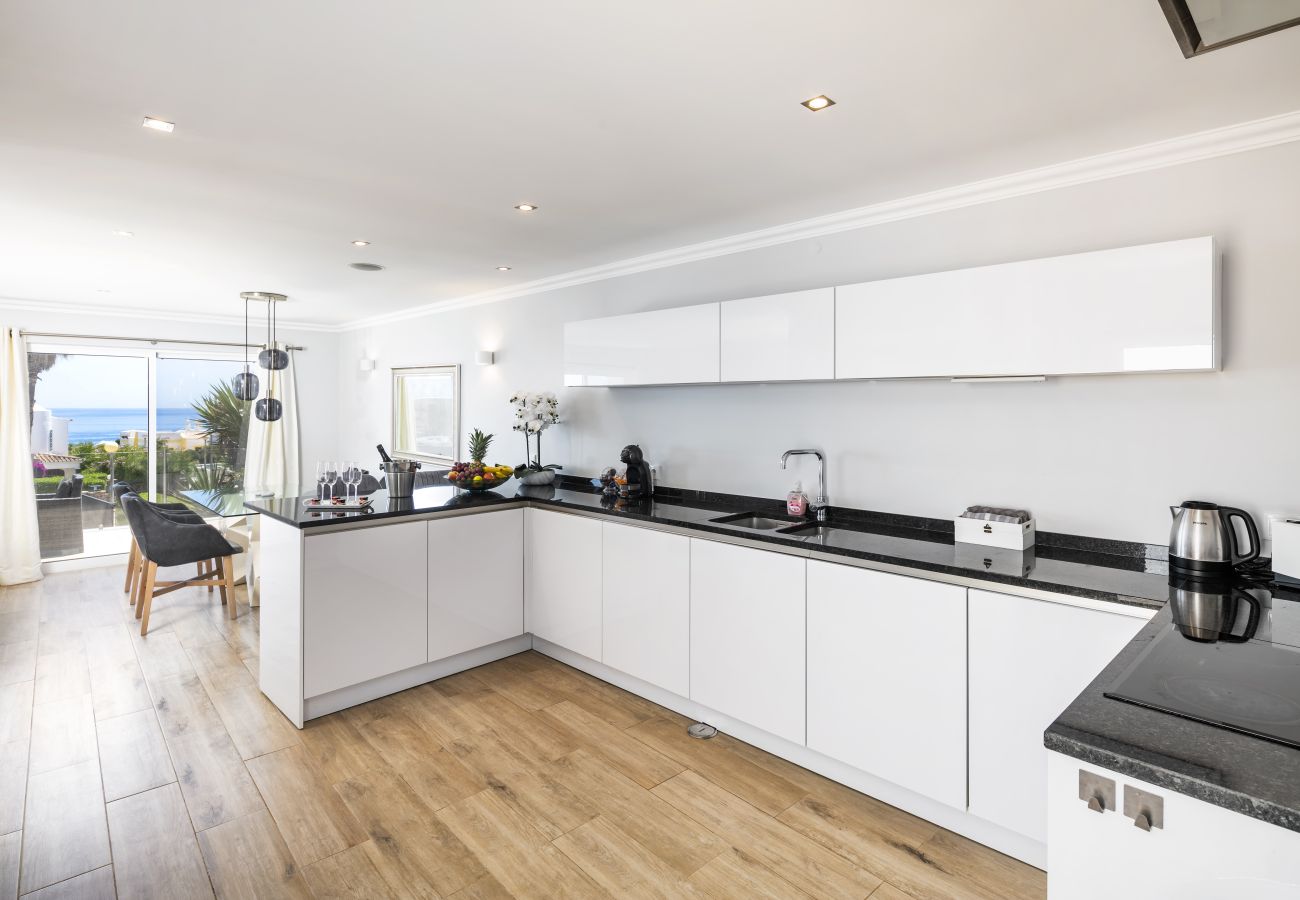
{"points": [[221, 579], [227, 566], [146, 600], [209, 566], [137, 591], [130, 568]]}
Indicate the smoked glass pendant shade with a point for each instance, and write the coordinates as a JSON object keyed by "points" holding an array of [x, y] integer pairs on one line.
{"points": [[273, 358], [246, 385], [268, 409]]}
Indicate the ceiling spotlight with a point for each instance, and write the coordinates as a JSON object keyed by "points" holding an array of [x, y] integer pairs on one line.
{"points": [[526, 207], [124, 233], [366, 267], [102, 291], [820, 102], [158, 124], [361, 243], [503, 268]]}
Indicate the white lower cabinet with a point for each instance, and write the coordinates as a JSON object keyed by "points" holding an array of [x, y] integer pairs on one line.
{"points": [[1202, 852], [647, 614], [1029, 659], [474, 604], [887, 677], [563, 580], [367, 609], [747, 636]]}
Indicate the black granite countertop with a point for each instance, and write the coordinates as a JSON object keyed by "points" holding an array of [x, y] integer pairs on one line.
{"points": [[1097, 569], [1246, 774]]}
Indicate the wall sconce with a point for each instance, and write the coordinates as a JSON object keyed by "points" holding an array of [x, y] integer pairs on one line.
{"points": [[485, 357], [366, 364]]}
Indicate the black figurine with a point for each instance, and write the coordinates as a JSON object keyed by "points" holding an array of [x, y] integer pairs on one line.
{"points": [[638, 472]]}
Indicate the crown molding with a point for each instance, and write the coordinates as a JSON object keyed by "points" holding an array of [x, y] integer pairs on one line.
{"points": [[118, 312], [1253, 135]]}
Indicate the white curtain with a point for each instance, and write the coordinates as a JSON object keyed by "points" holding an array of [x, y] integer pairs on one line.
{"points": [[271, 458], [20, 544]]}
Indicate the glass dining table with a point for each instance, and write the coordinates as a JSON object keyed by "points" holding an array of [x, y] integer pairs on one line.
{"points": [[239, 524]]}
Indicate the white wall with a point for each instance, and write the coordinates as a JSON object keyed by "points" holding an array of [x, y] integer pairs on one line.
{"points": [[1100, 456], [317, 366]]}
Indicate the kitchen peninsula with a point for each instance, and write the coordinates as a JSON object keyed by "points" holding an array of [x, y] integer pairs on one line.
{"points": [[757, 632]]}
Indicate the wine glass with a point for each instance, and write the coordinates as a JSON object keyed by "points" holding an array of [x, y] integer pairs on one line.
{"points": [[322, 468], [354, 481], [335, 474]]}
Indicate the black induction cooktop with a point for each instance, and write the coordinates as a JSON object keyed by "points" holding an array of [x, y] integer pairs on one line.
{"points": [[1251, 686]]}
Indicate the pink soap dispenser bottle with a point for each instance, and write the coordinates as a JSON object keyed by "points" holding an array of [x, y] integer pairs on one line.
{"points": [[796, 502]]}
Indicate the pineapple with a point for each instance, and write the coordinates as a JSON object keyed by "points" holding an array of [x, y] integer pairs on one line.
{"points": [[478, 445]]}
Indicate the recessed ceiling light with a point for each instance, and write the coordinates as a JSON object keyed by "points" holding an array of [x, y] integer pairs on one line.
{"points": [[158, 124], [526, 207], [124, 233], [818, 103], [503, 268], [366, 267], [361, 243], [102, 291]]}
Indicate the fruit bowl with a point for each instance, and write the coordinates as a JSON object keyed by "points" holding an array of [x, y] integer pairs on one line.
{"points": [[478, 477]]}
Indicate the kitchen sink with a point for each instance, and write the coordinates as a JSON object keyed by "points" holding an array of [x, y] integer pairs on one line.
{"points": [[811, 530], [756, 521]]}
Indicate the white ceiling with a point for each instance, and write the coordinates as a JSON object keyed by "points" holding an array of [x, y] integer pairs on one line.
{"points": [[304, 124]]}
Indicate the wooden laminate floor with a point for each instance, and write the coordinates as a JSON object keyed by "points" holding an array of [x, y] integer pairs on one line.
{"points": [[153, 767]]}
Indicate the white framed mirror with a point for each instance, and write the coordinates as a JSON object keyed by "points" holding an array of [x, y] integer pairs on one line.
{"points": [[426, 413]]}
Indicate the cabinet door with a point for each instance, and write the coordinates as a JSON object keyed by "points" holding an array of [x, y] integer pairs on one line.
{"points": [[471, 604], [782, 337], [666, 346], [887, 677], [1028, 660], [647, 595], [563, 581], [747, 636], [366, 607], [1134, 309]]}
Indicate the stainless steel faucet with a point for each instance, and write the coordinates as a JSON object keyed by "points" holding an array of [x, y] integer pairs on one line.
{"points": [[819, 505]]}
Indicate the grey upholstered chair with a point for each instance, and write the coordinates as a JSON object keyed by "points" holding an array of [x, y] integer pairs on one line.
{"points": [[167, 539], [134, 561]]}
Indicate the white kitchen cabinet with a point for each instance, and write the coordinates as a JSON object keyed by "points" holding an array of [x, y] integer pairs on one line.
{"points": [[1029, 659], [747, 636], [887, 677], [563, 580], [666, 346], [476, 581], [1136, 309], [1203, 852], [367, 608], [647, 611], [781, 337]]}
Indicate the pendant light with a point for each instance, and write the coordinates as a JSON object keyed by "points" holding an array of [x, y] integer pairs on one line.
{"points": [[245, 383], [269, 409]]}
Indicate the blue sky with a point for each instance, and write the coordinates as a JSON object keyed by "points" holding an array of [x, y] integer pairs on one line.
{"points": [[121, 382]]}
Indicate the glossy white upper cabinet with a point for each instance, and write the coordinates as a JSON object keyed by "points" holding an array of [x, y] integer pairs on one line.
{"points": [[666, 346], [1136, 309], [782, 337], [747, 636], [887, 677], [1028, 660], [647, 592], [472, 606], [563, 580]]}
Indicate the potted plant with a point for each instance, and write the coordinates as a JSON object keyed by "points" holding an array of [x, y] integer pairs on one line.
{"points": [[534, 413]]}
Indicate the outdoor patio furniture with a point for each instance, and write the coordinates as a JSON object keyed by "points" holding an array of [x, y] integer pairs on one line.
{"points": [[58, 519]]}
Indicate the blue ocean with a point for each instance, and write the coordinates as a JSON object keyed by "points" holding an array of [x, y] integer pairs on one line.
{"points": [[107, 424]]}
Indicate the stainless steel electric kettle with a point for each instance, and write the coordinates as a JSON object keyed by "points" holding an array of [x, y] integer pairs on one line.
{"points": [[1202, 542]]}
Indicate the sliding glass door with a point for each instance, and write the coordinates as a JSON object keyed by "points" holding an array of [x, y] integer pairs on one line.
{"points": [[165, 425]]}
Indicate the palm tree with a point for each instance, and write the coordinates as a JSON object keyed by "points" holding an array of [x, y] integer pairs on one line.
{"points": [[223, 416], [37, 365]]}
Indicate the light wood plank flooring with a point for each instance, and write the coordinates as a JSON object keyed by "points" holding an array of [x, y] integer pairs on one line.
{"points": [[153, 767]]}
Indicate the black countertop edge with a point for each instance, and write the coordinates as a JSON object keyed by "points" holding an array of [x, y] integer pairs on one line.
{"points": [[1238, 772], [872, 538]]}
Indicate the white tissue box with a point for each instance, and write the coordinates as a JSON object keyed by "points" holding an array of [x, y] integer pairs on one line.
{"points": [[1286, 549], [1007, 535]]}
